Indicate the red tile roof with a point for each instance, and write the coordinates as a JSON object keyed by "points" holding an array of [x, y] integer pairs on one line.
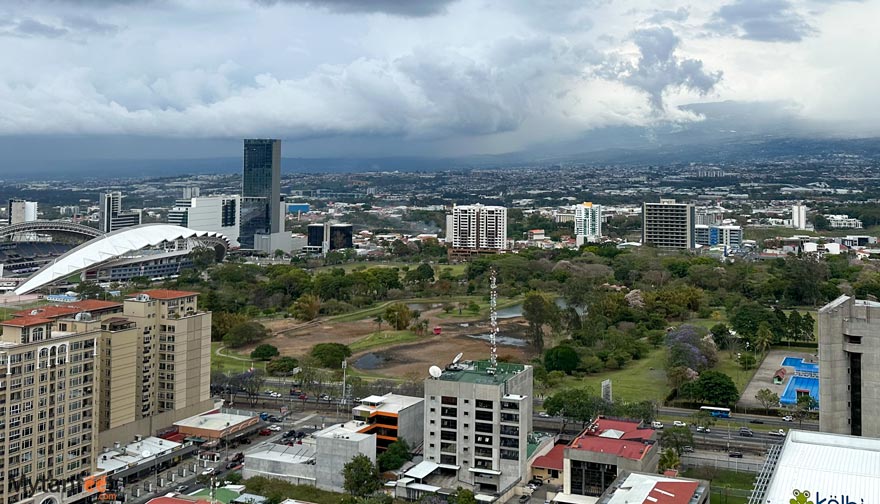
{"points": [[552, 460], [50, 312], [672, 492], [26, 321], [95, 305], [629, 444], [167, 294]]}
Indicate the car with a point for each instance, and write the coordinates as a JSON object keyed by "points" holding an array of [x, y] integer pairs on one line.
{"points": [[265, 432], [656, 425], [735, 455], [274, 394], [274, 419], [231, 464], [525, 498], [303, 397], [536, 481], [245, 441], [543, 414], [208, 471], [780, 433], [679, 423], [756, 421], [274, 428], [181, 488], [746, 433], [788, 418], [687, 449]]}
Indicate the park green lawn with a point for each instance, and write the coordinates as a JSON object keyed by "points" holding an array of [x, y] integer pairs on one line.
{"points": [[739, 483], [225, 361], [383, 339], [640, 380]]}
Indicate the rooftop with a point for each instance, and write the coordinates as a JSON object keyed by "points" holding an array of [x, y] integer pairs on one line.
{"points": [[296, 454], [163, 294], [135, 453], [388, 403], [552, 459], [213, 421], [826, 464], [652, 489], [56, 311], [478, 372], [623, 438], [348, 430], [28, 321]]}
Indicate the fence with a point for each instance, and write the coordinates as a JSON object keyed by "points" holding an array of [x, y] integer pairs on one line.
{"points": [[728, 463]]}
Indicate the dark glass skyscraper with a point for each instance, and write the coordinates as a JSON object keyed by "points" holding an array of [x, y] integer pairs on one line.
{"points": [[260, 190]]}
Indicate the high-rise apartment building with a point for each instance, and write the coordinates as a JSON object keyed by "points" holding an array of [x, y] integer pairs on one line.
{"points": [[729, 236], [479, 227], [799, 216], [322, 238], [708, 216], [111, 217], [587, 223], [668, 224], [260, 190], [48, 409], [477, 421], [849, 367], [220, 214], [20, 211]]}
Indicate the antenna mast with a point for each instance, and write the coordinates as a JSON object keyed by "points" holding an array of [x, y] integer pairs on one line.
{"points": [[493, 319]]}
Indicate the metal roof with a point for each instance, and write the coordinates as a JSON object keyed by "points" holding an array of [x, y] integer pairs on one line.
{"points": [[826, 465], [109, 247]]}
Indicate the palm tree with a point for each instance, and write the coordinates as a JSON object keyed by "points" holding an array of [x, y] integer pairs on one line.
{"points": [[669, 459], [764, 338]]}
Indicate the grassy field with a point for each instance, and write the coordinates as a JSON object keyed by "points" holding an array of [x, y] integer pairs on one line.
{"points": [[640, 380], [453, 269], [738, 483], [226, 362], [383, 339]]}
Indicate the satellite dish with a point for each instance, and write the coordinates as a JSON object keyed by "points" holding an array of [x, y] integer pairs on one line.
{"points": [[435, 371], [458, 357]]}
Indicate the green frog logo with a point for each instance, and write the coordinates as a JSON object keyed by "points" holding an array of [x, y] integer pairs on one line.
{"points": [[800, 497]]}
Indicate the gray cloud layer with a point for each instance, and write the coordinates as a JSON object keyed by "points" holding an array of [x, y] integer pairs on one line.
{"points": [[409, 8], [762, 20]]}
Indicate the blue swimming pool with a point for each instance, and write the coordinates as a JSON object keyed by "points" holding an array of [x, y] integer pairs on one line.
{"points": [[799, 383], [799, 365]]}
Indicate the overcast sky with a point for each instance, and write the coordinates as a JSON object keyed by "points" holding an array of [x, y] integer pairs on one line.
{"points": [[425, 76]]}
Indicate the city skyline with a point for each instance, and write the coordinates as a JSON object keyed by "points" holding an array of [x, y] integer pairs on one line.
{"points": [[436, 78]]}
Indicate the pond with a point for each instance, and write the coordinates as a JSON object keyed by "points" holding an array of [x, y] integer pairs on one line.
{"points": [[500, 340], [370, 361], [517, 309]]}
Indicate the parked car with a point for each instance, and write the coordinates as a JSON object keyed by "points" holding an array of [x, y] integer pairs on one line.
{"points": [[265, 432], [274, 428], [181, 488], [274, 419], [780, 433], [525, 498], [245, 441], [735, 455], [656, 425], [264, 416], [788, 418], [231, 464], [208, 471], [536, 481], [679, 423]]}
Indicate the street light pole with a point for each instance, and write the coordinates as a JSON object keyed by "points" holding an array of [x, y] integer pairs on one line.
{"points": [[342, 398]]}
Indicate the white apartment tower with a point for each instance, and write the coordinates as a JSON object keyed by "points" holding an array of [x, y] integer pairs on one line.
{"points": [[220, 214], [21, 211], [587, 222], [479, 227], [799, 216]]}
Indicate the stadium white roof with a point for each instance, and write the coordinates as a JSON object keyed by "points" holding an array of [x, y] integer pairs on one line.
{"points": [[109, 247], [827, 466]]}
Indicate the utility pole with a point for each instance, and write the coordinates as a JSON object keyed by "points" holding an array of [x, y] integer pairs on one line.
{"points": [[344, 366]]}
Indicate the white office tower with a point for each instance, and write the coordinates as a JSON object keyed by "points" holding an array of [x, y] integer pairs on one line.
{"points": [[799, 216], [220, 214], [20, 211], [587, 223], [479, 227], [112, 217]]}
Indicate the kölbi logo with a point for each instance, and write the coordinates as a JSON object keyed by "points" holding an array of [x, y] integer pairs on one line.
{"points": [[804, 498]]}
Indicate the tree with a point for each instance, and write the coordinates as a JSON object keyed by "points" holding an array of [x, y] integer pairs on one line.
{"points": [[222, 322], [540, 309], [794, 325], [561, 358], [768, 399], [763, 338], [669, 459], [245, 334], [579, 405], [282, 366], [306, 307], [397, 454], [462, 496], [676, 438], [747, 361], [264, 352], [399, 315], [715, 388], [252, 383], [422, 274], [803, 408], [806, 328], [361, 476], [89, 290], [330, 355]]}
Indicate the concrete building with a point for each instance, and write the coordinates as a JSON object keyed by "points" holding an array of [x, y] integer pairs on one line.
{"points": [[220, 214], [479, 227], [49, 395], [596, 457], [799, 216], [19, 211], [708, 216], [391, 417], [336, 446], [849, 364], [843, 222], [668, 224], [587, 223], [111, 217], [710, 236], [260, 190], [477, 421], [820, 468], [642, 488], [217, 425]]}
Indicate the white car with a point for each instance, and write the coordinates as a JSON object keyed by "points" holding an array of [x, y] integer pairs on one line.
{"points": [[656, 425], [275, 394], [700, 428], [275, 428], [543, 414], [788, 418], [208, 471], [780, 433], [679, 423]]}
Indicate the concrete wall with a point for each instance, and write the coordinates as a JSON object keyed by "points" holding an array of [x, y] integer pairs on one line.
{"points": [[411, 424], [298, 474], [149, 426], [334, 452]]}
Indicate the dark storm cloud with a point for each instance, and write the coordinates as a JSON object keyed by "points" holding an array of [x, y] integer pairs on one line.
{"points": [[659, 69], [761, 20], [406, 8]]}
